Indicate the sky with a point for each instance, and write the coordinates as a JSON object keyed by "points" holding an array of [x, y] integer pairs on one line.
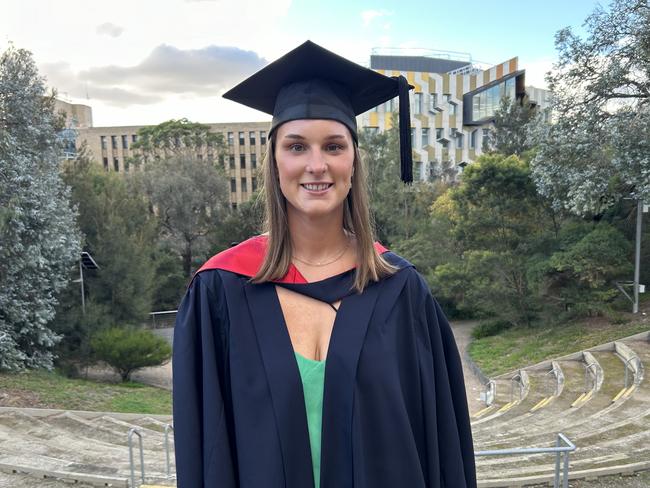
{"points": [[138, 62]]}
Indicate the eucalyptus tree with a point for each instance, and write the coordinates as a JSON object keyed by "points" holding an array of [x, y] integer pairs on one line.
{"points": [[39, 240]]}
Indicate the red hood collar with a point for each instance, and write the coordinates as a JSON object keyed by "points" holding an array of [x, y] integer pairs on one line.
{"points": [[247, 257]]}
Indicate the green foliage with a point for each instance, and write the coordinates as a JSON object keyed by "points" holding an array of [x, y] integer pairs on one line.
{"points": [[127, 349], [39, 240], [237, 225], [595, 151], [189, 197], [490, 328], [177, 138], [120, 234], [169, 282], [509, 135], [496, 220]]}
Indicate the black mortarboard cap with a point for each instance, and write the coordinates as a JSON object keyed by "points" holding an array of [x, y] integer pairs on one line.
{"points": [[311, 82]]}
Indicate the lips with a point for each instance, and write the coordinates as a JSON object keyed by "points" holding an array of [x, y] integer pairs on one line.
{"points": [[316, 186]]}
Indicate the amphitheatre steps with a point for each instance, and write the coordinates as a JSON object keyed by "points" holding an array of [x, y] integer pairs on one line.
{"points": [[80, 448], [611, 430]]}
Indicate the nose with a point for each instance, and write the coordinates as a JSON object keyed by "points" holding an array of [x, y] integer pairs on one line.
{"points": [[317, 163]]}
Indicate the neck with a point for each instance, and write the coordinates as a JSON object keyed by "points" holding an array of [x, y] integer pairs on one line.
{"points": [[317, 238]]}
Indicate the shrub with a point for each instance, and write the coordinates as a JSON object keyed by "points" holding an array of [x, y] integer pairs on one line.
{"points": [[128, 349], [490, 328]]}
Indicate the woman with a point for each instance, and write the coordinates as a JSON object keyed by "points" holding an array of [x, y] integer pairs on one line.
{"points": [[310, 355]]}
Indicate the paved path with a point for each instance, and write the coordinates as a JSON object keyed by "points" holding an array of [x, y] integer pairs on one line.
{"points": [[462, 330]]}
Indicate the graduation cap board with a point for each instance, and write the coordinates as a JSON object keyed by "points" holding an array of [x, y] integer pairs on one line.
{"points": [[311, 82]]}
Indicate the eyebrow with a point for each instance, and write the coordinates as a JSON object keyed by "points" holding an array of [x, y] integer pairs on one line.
{"points": [[301, 138]]}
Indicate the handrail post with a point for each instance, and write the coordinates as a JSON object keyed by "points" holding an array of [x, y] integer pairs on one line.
{"points": [[168, 427], [130, 438], [556, 483], [627, 363]]}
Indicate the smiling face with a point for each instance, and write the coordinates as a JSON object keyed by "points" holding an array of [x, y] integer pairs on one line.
{"points": [[315, 160]]}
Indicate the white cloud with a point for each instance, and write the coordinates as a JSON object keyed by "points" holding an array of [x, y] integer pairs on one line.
{"points": [[367, 16], [536, 70], [109, 29]]}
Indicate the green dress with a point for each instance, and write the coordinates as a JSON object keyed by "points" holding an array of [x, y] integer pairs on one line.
{"points": [[312, 374]]}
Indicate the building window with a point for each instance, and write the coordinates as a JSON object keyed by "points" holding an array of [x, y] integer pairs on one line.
{"points": [[230, 138], [446, 98], [241, 139], [114, 142], [452, 108], [440, 133], [412, 136], [425, 136], [232, 161], [433, 101], [233, 185], [125, 142], [126, 165], [262, 137], [251, 138], [486, 136], [242, 161], [134, 138], [253, 160], [105, 163], [418, 103], [210, 157], [116, 164], [103, 141], [472, 139], [459, 140], [254, 183], [373, 131], [244, 189], [177, 142]]}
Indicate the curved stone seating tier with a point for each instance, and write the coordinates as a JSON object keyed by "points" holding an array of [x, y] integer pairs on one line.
{"points": [[560, 414], [70, 445], [611, 428]]}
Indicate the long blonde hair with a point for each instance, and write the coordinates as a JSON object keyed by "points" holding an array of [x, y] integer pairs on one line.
{"points": [[356, 220]]}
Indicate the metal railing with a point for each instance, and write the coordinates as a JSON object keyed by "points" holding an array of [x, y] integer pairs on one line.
{"points": [[561, 451], [168, 427], [627, 368], [163, 319], [136, 432]]}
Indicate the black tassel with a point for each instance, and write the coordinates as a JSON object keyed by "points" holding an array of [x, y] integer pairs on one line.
{"points": [[406, 160]]}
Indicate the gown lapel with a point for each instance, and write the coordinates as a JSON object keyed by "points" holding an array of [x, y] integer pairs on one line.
{"points": [[284, 383]]}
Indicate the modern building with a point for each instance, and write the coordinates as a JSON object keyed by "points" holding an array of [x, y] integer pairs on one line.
{"points": [[452, 110], [246, 142], [452, 106], [77, 116]]}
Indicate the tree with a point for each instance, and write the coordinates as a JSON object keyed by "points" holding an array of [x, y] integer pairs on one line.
{"points": [[39, 240], [127, 349], [497, 222], [510, 132], [176, 138], [596, 151], [189, 196]]}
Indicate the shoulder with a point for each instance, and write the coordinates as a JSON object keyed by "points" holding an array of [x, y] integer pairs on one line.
{"points": [[414, 282], [245, 258]]}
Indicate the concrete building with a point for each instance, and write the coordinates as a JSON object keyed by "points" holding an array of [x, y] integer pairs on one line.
{"points": [[246, 142], [452, 106]]}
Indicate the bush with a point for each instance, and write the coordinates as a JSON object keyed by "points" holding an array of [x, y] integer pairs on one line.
{"points": [[128, 349], [490, 328]]}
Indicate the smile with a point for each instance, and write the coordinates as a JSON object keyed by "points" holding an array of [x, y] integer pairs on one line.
{"points": [[316, 186]]}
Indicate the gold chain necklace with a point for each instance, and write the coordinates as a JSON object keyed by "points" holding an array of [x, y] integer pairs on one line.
{"points": [[320, 263]]}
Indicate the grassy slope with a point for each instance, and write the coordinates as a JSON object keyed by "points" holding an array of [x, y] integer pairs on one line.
{"points": [[50, 390], [521, 346]]}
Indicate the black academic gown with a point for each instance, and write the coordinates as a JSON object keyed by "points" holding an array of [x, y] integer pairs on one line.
{"points": [[394, 408]]}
